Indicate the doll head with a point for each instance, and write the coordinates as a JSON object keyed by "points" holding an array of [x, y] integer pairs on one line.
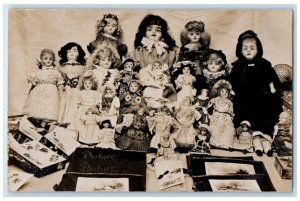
{"points": [[194, 32], [185, 67], [204, 92], [105, 57], [92, 111], [105, 124], [186, 102], [109, 91], [88, 83], [47, 58], [223, 89], [134, 86], [285, 118], [129, 65], [109, 24], [204, 130], [72, 52], [245, 125], [142, 110], [155, 28], [215, 61], [249, 46]]}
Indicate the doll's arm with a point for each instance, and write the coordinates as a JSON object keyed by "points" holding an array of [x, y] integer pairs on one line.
{"points": [[273, 90], [178, 81]]}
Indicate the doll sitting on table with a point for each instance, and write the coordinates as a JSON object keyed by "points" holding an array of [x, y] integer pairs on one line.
{"points": [[202, 138], [243, 139]]}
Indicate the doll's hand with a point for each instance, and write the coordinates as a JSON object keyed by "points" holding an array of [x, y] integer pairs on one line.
{"points": [[204, 110], [273, 90]]}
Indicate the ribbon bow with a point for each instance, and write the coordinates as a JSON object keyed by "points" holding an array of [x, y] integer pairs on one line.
{"points": [[159, 45]]}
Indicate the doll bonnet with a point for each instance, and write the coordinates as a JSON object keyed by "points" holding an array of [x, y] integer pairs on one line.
{"points": [[219, 85], [246, 122], [247, 35], [205, 126]]}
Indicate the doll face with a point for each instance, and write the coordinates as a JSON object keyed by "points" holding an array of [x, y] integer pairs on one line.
{"points": [[202, 132], [111, 26], [108, 93], [128, 66], [224, 93], [105, 125], [244, 127], [249, 49], [72, 54], [214, 65], [134, 87], [87, 85], [153, 32], [105, 62], [193, 36], [204, 93], [47, 59], [284, 118], [186, 70]]}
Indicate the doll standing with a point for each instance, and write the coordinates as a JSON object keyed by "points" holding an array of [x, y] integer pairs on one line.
{"points": [[166, 146], [221, 124], [72, 64], [153, 42], [251, 77], [202, 138], [201, 104], [44, 89], [108, 30], [195, 43], [107, 135]]}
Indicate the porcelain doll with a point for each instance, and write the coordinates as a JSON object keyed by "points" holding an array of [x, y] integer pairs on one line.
{"points": [[107, 135], [72, 68], [44, 90], [251, 77], [221, 124], [243, 139], [202, 138], [201, 104], [108, 31], [284, 126], [166, 146], [195, 43]]}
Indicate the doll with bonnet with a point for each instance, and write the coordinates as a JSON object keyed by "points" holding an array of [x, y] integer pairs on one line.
{"points": [[202, 138], [243, 139]]}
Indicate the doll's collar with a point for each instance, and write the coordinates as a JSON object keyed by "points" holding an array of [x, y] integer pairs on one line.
{"points": [[203, 97], [75, 63], [47, 67], [109, 36], [212, 75], [159, 45]]}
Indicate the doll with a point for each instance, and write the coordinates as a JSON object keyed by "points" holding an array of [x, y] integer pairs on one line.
{"points": [[201, 103], [184, 80], [108, 30], [222, 129], [89, 131], [102, 64], [72, 67], [243, 139], [166, 146], [186, 115], [135, 136], [110, 104], [128, 71], [107, 135], [251, 79], [215, 69], [161, 123], [195, 43], [44, 90], [153, 42], [202, 138]]}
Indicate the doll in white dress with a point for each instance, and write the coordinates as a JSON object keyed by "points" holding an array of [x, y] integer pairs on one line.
{"points": [[107, 135]]}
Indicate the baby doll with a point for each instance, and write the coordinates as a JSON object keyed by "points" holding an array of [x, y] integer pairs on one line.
{"points": [[195, 43], [215, 69], [201, 103], [102, 64], [108, 30], [107, 135], [44, 90], [222, 129], [89, 131], [136, 136], [153, 42], [184, 80], [72, 67], [252, 77], [202, 138], [166, 146], [243, 140], [128, 71], [186, 115]]}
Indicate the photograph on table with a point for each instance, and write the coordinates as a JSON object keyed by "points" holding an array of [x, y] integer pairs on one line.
{"points": [[85, 184]]}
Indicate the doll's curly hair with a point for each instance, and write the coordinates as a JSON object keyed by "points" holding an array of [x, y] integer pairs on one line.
{"points": [[222, 84], [95, 58], [92, 79], [62, 53], [47, 51], [154, 20], [197, 26], [104, 21], [216, 54], [101, 125]]}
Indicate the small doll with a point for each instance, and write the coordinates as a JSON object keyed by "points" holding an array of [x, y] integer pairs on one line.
{"points": [[201, 103], [166, 146], [110, 104], [128, 71], [186, 115], [202, 138], [184, 80], [195, 44], [89, 131], [44, 90], [108, 31], [107, 135], [243, 139], [161, 123], [215, 69], [72, 67], [154, 42], [252, 78], [135, 136], [102, 64], [222, 129]]}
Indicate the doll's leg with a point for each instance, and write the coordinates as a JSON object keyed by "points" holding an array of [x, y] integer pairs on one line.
{"points": [[258, 145], [267, 147]]}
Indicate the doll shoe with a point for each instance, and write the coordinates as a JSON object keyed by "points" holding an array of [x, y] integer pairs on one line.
{"points": [[259, 152], [270, 153]]}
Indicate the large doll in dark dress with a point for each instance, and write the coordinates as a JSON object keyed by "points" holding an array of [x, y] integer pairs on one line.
{"points": [[256, 86]]}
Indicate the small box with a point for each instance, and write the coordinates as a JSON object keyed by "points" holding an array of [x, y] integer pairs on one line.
{"points": [[284, 166]]}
